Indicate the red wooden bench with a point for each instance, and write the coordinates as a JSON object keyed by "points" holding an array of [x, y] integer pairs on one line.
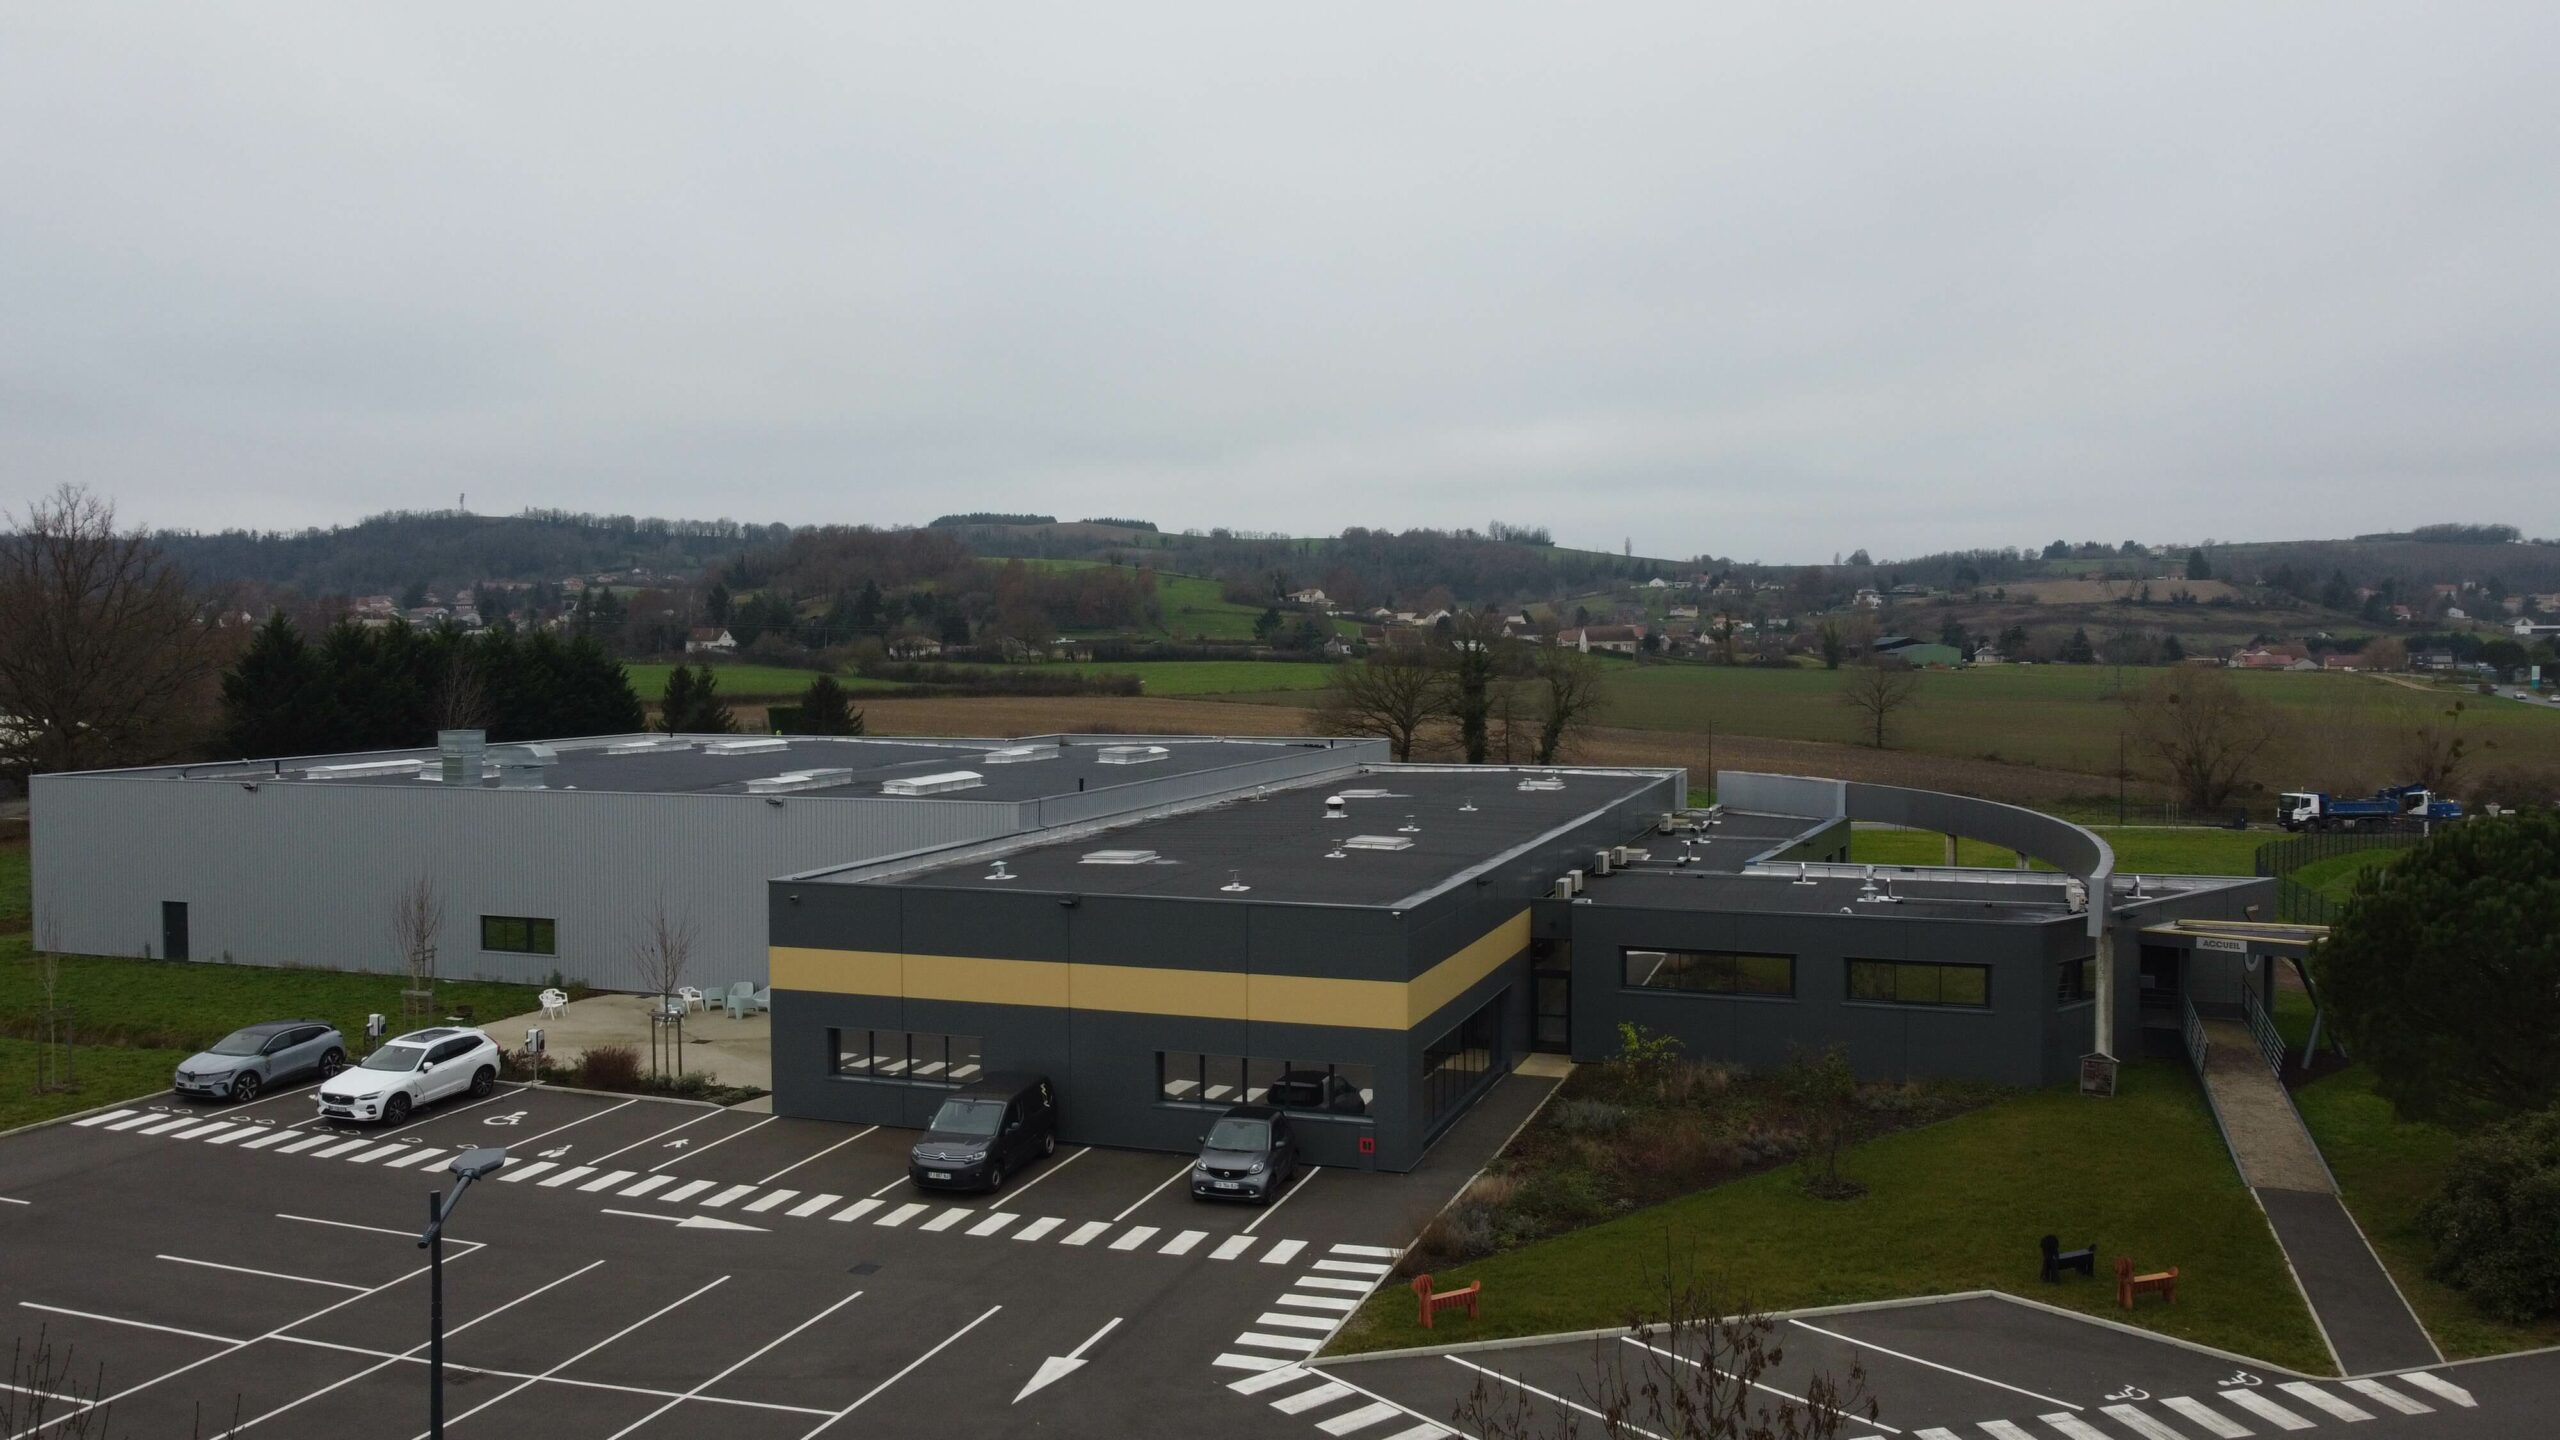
{"points": [[1460, 1299], [2162, 1283]]}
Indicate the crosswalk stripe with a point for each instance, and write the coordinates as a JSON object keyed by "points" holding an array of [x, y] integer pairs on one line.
{"points": [[102, 1119], [419, 1157], [1231, 1247], [1278, 1372], [1373, 1252], [204, 1130], [518, 1174], [2265, 1409], [1135, 1236], [336, 1150], [1327, 1282], [145, 1118], [645, 1185], [856, 1210], [1296, 1343], [1428, 1431], [2072, 1427], [2139, 1423], [270, 1138], [1181, 1244], [725, 1196], [2442, 1389], [1934, 1432], [376, 1153], [2376, 1390], [1360, 1419], [605, 1181], [770, 1201], [1085, 1232], [993, 1223], [2213, 1421], [2005, 1430], [1283, 1252], [812, 1205], [1333, 1303], [570, 1176], [1287, 1321], [242, 1133], [1038, 1228], [165, 1126], [687, 1191], [1354, 1267], [2320, 1399], [1233, 1361], [1311, 1397], [221, 1134], [946, 1219], [901, 1215]]}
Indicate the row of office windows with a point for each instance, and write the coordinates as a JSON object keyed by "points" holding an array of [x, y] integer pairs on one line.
{"points": [[1187, 1078], [1892, 982], [906, 1057]]}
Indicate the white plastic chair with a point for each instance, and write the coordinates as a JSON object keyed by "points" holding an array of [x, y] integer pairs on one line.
{"points": [[742, 998], [692, 998], [554, 1002]]}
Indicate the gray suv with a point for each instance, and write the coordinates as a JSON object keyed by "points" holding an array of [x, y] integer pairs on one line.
{"points": [[247, 1061]]}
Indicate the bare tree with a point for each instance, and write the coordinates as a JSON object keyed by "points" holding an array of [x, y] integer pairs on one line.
{"points": [[2432, 746], [417, 918], [660, 954], [1476, 653], [105, 656], [1397, 694], [1691, 1372], [462, 696], [2203, 732], [1879, 692], [1573, 692]]}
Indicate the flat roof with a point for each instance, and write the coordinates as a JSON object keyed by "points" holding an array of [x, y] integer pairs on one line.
{"points": [[1877, 891], [1403, 832], [1006, 770]]}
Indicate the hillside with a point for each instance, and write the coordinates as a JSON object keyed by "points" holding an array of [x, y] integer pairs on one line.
{"points": [[447, 550]]}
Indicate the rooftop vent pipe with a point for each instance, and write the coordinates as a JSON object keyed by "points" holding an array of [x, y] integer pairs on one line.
{"points": [[1336, 808], [461, 753]]}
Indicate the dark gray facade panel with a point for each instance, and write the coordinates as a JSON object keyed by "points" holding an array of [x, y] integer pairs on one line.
{"points": [[1180, 935]]}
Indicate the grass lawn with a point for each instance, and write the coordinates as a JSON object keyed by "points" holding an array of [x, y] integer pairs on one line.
{"points": [[2140, 849], [2388, 1168], [1954, 1206], [1209, 677], [14, 887], [107, 1073], [742, 682], [2336, 876]]}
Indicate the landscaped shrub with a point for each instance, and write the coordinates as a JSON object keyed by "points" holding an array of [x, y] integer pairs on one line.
{"points": [[1590, 1117], [610, 1067], [2496, 1223]]}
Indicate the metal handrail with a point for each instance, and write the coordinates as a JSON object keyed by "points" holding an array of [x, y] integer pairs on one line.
{"points": [[2193, 1025], [2262, 1027]]}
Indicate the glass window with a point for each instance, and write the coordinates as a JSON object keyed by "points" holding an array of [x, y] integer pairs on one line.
{"points": [[519, 935], [1711, 972], [1454, 1065], [975, 1119], [1322, 1086], [1914, 982], [2079, 980], [917, 1057]]}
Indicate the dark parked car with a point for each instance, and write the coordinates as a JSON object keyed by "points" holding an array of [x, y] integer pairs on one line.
{"points": [[248, 1060], [986, 1131], [1315, 1090], [1250, 1154]]}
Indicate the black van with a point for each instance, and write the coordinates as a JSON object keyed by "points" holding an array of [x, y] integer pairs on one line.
{"points": [[986, 1131]]}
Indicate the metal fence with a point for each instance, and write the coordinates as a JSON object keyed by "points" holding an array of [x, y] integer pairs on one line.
{"points": [[2193, 1029], [2262, 1028], [2299, 904]]}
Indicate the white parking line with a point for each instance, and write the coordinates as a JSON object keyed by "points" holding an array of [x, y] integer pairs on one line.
{"points": [[412, 1357], [821, 1155], [1788, 1395], [892, 1185], [581, 1355], [725, 1374], [1932, 1364], [134, 1324], [661, 1135], [1269, 1210], [374, 1229], [1547, 1396], [1284, 1252], [1084, 1233], [1038, 1228], [714, 1145], [417, 1158], [1017, 1190], [902, 1374], [269, 1274], [527, 1142], [1150, 1195]]}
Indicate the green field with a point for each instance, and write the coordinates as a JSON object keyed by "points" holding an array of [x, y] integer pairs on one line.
{"points": [[106, 1074], [1954, 1206], [742, 682], [2140, 849], [2336, 876], [13, 886], [1209, 677]]}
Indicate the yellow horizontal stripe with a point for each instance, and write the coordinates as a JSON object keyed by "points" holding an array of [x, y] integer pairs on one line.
{"points": [[1153, 990]]}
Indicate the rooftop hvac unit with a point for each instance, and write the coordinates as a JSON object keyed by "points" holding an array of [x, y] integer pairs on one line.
{"points": [[760, 745], [790, 780], [1368, 794], [1564, 887], [942, 784], [1600, 862], [461, 753], [1378, 842], [358, 770], [1574, 878], [1132, 754], [1118, 857], [647, 747], [1542, 782], [1019, 754]]}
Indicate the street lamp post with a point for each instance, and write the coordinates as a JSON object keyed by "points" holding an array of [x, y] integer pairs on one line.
{"points": [[468, 1166]]}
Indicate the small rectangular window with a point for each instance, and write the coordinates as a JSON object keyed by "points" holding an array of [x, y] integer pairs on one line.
{"points": [[1316, 1086], [2078, 981], [519, 935], [915, 1058], [1711, 972], [1920, 982]]}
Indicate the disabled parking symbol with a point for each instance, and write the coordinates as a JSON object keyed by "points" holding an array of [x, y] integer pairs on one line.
{"points": [[515, 1117]]}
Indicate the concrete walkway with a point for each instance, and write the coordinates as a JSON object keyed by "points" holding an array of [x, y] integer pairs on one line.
{"points": [[2369, 1326], [731, 1052]]}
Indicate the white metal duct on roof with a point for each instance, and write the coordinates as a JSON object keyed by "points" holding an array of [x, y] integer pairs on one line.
{"points": [[1132, 754], [1019, 755], [647, 747], [761, 745], [1542, 782], [790, 780], [941, 784], [359, 769], [1370, 794], [1378, 842], [1118, 857]]}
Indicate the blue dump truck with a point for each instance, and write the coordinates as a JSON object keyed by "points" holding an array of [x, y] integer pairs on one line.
{"points": [[2402, 807]]}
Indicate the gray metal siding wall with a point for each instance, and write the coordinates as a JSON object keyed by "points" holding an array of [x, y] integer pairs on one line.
{"points": [[305, 874]]}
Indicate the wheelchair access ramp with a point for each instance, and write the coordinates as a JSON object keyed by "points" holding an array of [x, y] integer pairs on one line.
{"points": [[2368, 1324]]}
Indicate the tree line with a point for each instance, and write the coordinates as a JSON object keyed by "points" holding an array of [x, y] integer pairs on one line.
{"points": [[1494, 698]]}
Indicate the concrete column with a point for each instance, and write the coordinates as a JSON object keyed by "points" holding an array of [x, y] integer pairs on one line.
{"points": [[1951, 851], [2103, 1014]]}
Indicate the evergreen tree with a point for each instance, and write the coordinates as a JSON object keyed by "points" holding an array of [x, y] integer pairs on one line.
{"points": [[2198, 568], [276, 700], [715, 605], [2171, 652], [2079, 651], [825, 709], [710, 713], [675, 707]]}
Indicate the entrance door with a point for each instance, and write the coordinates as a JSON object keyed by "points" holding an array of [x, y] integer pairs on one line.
{"points": [[173, 929], [1551, 995]]}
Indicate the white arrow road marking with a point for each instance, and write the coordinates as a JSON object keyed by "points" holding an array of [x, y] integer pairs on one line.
{"points": [[691, 1222], [2434, 1386], [1059, 1367]]}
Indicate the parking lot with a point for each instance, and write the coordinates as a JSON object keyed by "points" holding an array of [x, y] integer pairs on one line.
{"points": [[649, 1268]]}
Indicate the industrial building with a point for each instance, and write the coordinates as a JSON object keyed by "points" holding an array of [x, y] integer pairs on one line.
{"points": [[549, 858], [1379, 948]]}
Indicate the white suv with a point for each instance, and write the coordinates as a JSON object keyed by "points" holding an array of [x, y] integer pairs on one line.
{"points": [[410, 1071]]}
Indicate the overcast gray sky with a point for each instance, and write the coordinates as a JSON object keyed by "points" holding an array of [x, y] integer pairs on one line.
{"points": [[1771, 283]]}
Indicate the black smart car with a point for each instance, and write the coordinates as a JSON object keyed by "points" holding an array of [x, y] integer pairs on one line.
{"points": [[1249, 1154], [986, 1131]]}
